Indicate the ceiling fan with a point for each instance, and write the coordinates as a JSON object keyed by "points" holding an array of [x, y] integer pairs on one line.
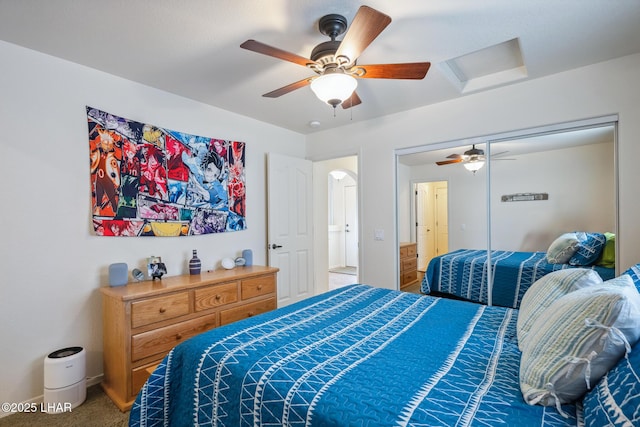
{"points": [[334, 61], [472, 159]]}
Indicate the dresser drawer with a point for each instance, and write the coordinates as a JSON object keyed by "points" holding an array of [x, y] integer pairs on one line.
{"points": [[247, 310], [154, 310], [215, 296], [403, 252], [160, 341], [410, 264], [411, 250], [408, 277], [258, 286], [139, 376]]}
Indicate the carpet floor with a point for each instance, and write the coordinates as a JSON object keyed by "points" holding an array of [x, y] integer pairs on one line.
{"points": [[96, 411]]}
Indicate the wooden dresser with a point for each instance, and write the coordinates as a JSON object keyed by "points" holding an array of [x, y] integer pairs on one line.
{"points": [[408, 264], [143, 321]]}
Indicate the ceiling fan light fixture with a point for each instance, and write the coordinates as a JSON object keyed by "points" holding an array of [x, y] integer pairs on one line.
{"points": [[473, 165], [334, 88]]}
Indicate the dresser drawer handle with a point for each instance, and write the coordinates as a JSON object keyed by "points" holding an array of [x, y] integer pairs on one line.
{"points": [[259, 287], [162, 310], [218, 297], [250, 314], [178, 337]]}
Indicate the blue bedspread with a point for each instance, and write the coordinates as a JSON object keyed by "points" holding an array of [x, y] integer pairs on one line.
{"points": [[356, 356], [463, 273]]}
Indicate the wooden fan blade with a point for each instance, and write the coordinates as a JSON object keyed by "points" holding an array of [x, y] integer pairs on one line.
{"points": [[256, 46], [365, 27], [455, 156], [352, 101], [414, 70], [288, 88], [448, 162]]}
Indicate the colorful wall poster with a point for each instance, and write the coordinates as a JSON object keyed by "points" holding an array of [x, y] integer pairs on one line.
{"points": [[151, 181]]}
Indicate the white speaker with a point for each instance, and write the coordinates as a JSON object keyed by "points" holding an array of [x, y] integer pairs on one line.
{"points": [[65, 382]]}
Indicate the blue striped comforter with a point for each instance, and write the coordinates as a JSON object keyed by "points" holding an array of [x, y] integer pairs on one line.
{"points": [[463, 273], [356, 356]]}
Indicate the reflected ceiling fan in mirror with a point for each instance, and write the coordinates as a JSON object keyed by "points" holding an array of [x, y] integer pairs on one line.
{"points": [[473, 160], [334, 61]]}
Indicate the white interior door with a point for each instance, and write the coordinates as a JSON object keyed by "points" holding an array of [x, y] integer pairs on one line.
{"points": [[442, 219], [290, 237], [425, 237], [351, 225]]}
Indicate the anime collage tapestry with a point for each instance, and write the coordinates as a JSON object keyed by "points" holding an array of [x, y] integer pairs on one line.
{"points": [[150, 181]]}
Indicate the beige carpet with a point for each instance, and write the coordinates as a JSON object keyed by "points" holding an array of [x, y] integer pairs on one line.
{"points": [[96, 411]]}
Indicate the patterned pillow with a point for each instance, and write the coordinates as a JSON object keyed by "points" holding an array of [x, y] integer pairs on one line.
{"points": [[616, 399], [608, 255], [634, 273], [589, 248], [575, 341], [562, 249], [546, 290]]}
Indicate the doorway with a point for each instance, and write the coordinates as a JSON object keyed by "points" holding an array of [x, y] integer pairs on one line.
{"points": [[342, 201], [336, 204], [432, 224]]}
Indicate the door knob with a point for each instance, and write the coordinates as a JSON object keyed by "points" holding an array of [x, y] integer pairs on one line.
{"points": [[274, 246]]}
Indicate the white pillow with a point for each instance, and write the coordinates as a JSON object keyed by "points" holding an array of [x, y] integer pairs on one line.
{"points": [[575, 341], [562, 249], [546, 290]]}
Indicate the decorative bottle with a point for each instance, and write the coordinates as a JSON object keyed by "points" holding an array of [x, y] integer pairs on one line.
{"points": [[194, 263]]}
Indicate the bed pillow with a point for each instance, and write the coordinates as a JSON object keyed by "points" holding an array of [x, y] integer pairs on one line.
{"points": [[588, 249], [608, 255], [634, 273], [562, 249], [548, 289], [577, 339], [616, 399]]}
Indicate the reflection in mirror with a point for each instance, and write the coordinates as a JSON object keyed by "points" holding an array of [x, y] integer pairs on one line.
{"points": [[447, 190], [573, 169], [534, 187]]}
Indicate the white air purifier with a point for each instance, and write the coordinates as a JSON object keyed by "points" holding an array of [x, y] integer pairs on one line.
{"points": [[65, 382]]}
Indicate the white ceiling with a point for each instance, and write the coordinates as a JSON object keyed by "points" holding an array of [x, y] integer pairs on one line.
{"points": [[191, 48]]}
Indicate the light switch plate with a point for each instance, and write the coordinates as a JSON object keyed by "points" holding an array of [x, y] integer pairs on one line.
{"points": [[378, 234]]}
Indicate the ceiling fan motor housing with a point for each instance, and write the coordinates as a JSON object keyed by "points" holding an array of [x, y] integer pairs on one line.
{"points": [[474, 152], [323, 53], [332, 26]]}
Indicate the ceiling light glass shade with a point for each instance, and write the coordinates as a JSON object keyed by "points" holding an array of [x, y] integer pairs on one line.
{"points": [[474, 165], [338, 174], [334, 88]]}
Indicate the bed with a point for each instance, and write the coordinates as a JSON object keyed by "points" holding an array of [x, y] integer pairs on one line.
{"points": [[355, 356], [463, 274]]}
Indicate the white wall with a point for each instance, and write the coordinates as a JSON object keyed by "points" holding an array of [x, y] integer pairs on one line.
{"points": [[578, 180], [51, 264], [405, 194], [580, 185], [597, 90]]}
